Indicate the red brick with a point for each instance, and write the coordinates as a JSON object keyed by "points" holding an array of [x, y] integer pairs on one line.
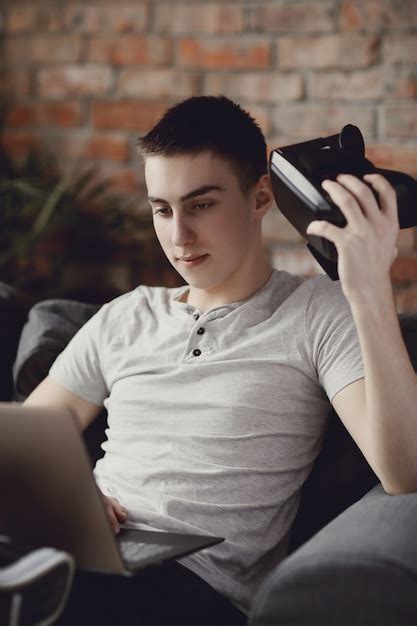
{"points": [[337, 50], [46, 48], [400, 120], [18, 143], [16, 51], [374, 83], [261, 114], [125, 180], [22, 18], [393, 157], [402, 83], [292, 17], [404, 269], [256, 87], [131, 50], [79, 145], [374, 15], [157, 83], [137, 116], [96, 18], [112, 147], [19, 115], [70, 80], [55, 48], [66, 145], [14, 83], [350, 16], [64, 114], [359, 85], [185, 18], [399, 48], [41, 18], [307, 121], [50, 19], [245, 53]]}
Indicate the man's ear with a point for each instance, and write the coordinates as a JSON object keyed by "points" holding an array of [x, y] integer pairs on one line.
{"points": [[264, 196]]}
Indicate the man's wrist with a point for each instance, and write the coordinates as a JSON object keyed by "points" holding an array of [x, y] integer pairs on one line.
{"points": [[376, 302], [372, 298]]}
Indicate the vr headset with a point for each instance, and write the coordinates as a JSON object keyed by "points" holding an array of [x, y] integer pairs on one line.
{"points": [[298, 170]]}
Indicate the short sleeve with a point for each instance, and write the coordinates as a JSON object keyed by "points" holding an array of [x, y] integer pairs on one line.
{"points": [[332, 337], [79, 366]]}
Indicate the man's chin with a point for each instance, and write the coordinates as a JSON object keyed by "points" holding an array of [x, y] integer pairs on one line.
{"points": [[194, 276], [198, 281]]}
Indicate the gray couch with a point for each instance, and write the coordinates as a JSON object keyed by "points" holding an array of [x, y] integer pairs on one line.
{"points": [[353, 549]]}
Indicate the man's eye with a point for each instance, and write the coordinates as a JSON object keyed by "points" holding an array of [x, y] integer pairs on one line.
{"points": [[201, 206], [163, 211]]}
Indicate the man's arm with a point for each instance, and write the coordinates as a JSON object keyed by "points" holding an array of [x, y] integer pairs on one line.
{"points": [[51, 393], [380, 411]]}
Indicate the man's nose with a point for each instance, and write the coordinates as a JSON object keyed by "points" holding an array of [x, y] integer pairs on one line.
{"points": [[182, 233]]}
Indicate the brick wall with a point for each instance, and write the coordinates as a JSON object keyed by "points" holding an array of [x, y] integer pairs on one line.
{"points": [[84, 79]]}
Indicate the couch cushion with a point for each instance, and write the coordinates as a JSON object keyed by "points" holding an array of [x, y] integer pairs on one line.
{"points": [[361, 569], [14, 307]]}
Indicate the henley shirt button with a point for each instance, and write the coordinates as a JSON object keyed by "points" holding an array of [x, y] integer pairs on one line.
{"points": [[196, 352], [201, 331], [196, 316]]}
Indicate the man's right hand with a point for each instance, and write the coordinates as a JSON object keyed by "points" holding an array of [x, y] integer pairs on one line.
{"points": [[115, 512]]}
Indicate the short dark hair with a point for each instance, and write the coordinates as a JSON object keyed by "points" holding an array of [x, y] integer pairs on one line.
{"points": [[210, 123]]}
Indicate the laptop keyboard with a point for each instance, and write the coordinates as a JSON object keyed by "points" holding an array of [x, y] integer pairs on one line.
{"points": [[134, 551]]}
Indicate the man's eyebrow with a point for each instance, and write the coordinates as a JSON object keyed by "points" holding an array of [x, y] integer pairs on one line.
{"points": [[191, 194]]}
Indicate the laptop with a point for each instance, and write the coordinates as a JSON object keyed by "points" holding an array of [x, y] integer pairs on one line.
{"points": [[50, 498]]}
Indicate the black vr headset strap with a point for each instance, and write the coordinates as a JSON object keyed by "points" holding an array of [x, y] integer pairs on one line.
{"points": [[330, 267]]}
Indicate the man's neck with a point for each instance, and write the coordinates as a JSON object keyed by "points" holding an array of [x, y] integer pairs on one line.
{"points": [[206, 299]]}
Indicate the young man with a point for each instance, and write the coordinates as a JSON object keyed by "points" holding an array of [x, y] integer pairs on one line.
{"points": [[218, 392]]}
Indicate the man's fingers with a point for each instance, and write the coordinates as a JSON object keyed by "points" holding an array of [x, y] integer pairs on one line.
{"points": [[321, 228], [115, 512], [386, 194], [111, 516], [119, 511]]}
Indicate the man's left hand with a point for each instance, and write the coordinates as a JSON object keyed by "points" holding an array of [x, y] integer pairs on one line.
{"points": [[366, 246]]}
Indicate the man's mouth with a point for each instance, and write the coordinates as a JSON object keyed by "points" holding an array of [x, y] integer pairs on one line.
{"points": [[190, 261]]}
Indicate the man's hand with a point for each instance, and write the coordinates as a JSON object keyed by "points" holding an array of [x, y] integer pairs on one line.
{"points": [[115, 512], [366, 245]]}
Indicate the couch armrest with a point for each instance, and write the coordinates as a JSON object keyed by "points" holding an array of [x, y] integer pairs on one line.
{"points": [[359, 569], [49, 328]]}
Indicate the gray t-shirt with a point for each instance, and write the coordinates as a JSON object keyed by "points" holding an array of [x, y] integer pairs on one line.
{"points": [[215, 418]]}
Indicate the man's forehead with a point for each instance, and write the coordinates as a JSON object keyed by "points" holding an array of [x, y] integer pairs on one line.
{"points": [[178, 175], [204, 161]]}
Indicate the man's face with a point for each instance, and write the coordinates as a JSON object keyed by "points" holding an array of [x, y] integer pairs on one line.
{"points": [[205, 224]]}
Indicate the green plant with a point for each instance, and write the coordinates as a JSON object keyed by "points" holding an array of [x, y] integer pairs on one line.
{"points": [[61, 234]]}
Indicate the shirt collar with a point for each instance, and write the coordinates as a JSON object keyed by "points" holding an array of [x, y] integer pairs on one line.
{"points": [[178, 292]]}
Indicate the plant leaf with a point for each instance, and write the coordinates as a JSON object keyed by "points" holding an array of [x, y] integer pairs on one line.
{"points": [[49, 207]]}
